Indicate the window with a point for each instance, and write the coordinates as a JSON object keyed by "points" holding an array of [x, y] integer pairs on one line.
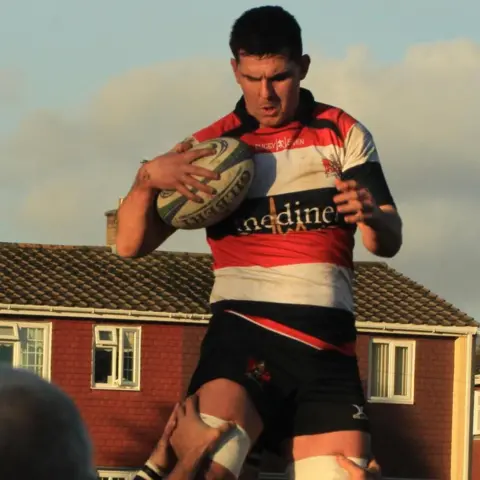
{"points": [[116, 474], [26, 345], [116, 362], [476, 412], [391, 371]]}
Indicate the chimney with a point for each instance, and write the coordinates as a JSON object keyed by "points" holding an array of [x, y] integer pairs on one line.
{"points": [[112, 225]]}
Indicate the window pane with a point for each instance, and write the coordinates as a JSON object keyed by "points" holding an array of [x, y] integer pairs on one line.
{"points": [[31, 349], [401, 371], [128, 352], [6, 353], [105, 335], [103, 365], [379, 370]]}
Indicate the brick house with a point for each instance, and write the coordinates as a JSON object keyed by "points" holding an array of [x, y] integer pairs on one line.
{"points": [[122, 338]]}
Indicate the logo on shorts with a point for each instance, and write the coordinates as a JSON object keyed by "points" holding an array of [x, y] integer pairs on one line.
{"points": [[360, 414], [257, 371]]}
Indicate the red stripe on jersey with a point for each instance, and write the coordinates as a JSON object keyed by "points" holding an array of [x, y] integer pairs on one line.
{"points": [[333, 246], [217, 129], [291, 137], [345, 349]]}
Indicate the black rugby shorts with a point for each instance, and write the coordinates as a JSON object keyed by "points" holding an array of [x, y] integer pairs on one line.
{"points": [[297, 389]]}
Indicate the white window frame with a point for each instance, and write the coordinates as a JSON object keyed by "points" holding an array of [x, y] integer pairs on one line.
{"points": [[391, 398], [15, 340], [124, 474], [117, 346], [476, 413]]}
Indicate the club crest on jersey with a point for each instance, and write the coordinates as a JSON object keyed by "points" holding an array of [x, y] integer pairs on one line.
{"points": [[332, 167], [257, 371]]}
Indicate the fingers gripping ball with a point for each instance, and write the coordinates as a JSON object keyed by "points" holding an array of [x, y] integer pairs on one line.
{"points": [[233, 160]]}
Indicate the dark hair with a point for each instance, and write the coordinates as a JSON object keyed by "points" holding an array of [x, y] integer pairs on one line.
{"points": [[267, 30]]}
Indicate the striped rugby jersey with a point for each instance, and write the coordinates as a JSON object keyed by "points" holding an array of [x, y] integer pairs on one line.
{"points": [[283, 260]]}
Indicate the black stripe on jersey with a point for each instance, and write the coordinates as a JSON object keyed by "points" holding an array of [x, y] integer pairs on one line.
{"points": [[280, 214], [325, 124], [332, 325], [370, 175]]}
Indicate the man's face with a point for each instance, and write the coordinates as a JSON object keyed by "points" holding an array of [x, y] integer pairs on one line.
{"points": [[271, 86]]}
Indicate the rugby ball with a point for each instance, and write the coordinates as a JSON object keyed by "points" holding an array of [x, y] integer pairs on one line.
{"points": [[233, 160]]}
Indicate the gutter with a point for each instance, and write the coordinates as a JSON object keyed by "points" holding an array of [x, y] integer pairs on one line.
{"points": [[149, 316], [102, 314], [404, 328]]}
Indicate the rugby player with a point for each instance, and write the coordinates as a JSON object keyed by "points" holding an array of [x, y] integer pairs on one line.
{"points": [[279, 357]]}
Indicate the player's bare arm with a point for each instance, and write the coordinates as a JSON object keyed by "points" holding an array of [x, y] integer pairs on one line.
{"points": [[380, 225], [140, 230]]}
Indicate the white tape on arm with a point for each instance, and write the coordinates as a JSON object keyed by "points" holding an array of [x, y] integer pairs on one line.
{"points": [[232, 449]]}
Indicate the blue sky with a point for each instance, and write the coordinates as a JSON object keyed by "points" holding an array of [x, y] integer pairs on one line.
{"points": [[86, 88], [66, 49]]}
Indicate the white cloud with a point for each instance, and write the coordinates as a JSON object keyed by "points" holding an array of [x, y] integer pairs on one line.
{"points": [[423, 111]]}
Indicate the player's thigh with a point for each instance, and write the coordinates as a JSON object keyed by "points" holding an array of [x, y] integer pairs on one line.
{"points": [[331, 418], [331, 429], [318, 453], [222, 400], [351, 443], [230, 401], [228, 391]]}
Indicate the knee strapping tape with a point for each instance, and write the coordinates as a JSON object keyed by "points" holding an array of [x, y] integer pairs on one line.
{"points": [[232, 449], [323, 467]]}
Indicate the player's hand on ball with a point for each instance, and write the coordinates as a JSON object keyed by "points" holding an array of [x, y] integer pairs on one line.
{"points": [[355, 202], [174, 171]]}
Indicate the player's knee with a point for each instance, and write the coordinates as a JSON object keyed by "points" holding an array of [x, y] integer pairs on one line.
{"points": [[229, 455], [309, 468]]}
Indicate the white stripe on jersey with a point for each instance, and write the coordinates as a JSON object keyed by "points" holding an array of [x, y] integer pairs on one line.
{"points": [[295, 170], [315, 284], [359, 146]]}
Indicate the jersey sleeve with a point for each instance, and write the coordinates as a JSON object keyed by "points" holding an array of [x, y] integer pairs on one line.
{"points": [[361, 162]]}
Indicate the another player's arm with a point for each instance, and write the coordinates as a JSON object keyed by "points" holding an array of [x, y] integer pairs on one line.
{"points": [[382, 231]]}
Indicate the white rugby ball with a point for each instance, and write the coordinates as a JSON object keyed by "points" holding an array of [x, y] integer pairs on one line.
{"points": [[233, 160]]}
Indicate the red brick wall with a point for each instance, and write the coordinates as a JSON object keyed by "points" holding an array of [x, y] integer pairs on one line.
{"points": [[413, 441], [124, 425]]}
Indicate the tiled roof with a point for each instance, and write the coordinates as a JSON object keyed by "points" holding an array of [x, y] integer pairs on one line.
{"points": [[94, 277]]}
